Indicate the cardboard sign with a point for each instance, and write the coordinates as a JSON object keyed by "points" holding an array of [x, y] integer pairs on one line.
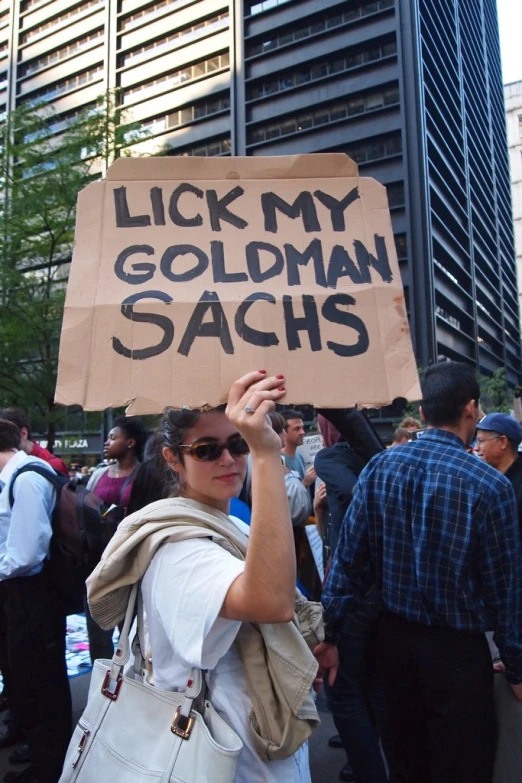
{"points": [[311, 445], [189, 272]]}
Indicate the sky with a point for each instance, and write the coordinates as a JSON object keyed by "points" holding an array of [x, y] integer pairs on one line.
{"points": [[510, 24]]}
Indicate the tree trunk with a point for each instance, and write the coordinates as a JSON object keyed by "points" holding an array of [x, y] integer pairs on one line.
{"points": [[51, 434]]}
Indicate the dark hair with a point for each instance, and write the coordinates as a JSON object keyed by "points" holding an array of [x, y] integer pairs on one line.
{"points": [[447, 388], [153, 446], [278, 421], [9, 435], [290, 413], [154, 479], [133, 427], [176, 422], [18, 417]]}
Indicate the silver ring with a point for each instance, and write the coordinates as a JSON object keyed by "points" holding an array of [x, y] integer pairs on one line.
{"points": [[248, 409]]}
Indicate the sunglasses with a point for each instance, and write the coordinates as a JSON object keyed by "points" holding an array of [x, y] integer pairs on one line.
{"points": [[211, 450]]}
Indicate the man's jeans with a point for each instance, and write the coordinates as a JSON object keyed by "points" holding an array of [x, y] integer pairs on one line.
{"points": [[356, 700]]}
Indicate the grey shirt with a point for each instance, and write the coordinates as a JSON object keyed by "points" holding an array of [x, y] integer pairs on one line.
{"points": [[297, 464]]}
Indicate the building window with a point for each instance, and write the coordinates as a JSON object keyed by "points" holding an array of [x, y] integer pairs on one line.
{"points": [[450, 319], [60, 54], [257, 7], [320, 70], [327, 21], [27, 4], [484, 344], [214, 147], [266, 5], [395, 192], [401, 246], [175, 78], [53, 90], [182, 36], [325, 115], [484, 309], [520, 127], [187, 114], [149, 12], [90, 4], [446, 271]]}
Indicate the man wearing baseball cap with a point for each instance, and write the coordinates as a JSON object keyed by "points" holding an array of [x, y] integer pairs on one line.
{"points": [[498, 438]]}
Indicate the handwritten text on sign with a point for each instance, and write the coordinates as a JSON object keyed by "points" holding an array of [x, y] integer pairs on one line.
{"points": [[189, 208]]}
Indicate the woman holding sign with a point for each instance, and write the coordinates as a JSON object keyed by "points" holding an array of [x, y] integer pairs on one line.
{"points": [[211, 601]]}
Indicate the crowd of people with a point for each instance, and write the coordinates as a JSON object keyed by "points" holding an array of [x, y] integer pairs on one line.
{"points": [[422, 558]]}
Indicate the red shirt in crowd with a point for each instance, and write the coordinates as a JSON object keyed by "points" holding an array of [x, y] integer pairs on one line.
{"points": [[55, 462]]}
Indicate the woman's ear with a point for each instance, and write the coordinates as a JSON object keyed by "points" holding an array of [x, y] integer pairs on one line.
{"points": [[131, 443], [171, 459]]}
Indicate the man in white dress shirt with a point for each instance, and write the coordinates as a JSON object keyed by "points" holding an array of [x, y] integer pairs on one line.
{"points": [[34, 623]]}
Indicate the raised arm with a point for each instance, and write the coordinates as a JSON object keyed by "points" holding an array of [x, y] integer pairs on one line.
{"points": [[264, 592]]}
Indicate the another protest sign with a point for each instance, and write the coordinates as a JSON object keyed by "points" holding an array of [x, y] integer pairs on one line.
{"points": [[311, 445]]}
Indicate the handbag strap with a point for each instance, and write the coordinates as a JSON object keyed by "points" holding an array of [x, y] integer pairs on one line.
{"points": [[195, 691], [127, 482]]}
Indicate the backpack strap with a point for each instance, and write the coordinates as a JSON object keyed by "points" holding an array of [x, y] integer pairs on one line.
{"points": [[33, 467]]}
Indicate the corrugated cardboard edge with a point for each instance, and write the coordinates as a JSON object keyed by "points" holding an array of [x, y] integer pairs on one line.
{"points": [[82, 284], [320, 166]]}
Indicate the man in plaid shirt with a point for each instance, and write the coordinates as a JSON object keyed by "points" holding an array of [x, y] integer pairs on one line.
{"points": [[436, 531]]}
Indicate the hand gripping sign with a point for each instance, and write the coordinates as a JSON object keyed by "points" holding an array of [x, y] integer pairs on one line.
{"points": [[188, 272]]}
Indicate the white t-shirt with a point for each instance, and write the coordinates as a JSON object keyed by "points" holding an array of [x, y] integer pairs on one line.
{"points": [[183, 591]]}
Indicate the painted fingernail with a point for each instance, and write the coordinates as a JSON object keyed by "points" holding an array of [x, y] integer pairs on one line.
{"points": [[280, 377], [262, 371], [281, 388]]}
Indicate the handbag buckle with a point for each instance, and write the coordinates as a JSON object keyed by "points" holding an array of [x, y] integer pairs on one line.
{"points": [[182, 725], [111, 688]]}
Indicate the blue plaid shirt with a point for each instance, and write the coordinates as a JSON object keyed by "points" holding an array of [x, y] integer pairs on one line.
{"points": [[437, 531]]}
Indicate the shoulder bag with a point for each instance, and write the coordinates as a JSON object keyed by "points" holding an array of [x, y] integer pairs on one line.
{"points": [[132, 732]]}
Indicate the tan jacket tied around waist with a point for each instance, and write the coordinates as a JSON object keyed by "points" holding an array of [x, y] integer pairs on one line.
{"points": [[277, 659]]}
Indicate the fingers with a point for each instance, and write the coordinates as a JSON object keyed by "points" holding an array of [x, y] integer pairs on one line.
{"points": [[240, 386], [254, 391], [257, 379], [263, 401], [317, 684], [332, 676]]}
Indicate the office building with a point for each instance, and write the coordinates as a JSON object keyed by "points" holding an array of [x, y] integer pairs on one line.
{"points": [[513, 96], [412, 91]]}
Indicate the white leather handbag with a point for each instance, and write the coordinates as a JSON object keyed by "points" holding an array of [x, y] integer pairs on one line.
{"points": [[132, 732]]}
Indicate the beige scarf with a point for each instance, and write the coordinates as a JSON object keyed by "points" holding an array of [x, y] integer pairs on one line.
{"points": [[277, 660]]}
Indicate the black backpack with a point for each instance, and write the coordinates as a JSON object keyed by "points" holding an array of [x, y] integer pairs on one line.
{"points": [[78, 539]]}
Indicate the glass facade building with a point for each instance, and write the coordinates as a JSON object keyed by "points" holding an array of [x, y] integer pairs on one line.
{"points": [[411, 89]]}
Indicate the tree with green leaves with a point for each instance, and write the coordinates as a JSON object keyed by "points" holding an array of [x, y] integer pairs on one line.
{"points": [[45, 160], [495, 395]]}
